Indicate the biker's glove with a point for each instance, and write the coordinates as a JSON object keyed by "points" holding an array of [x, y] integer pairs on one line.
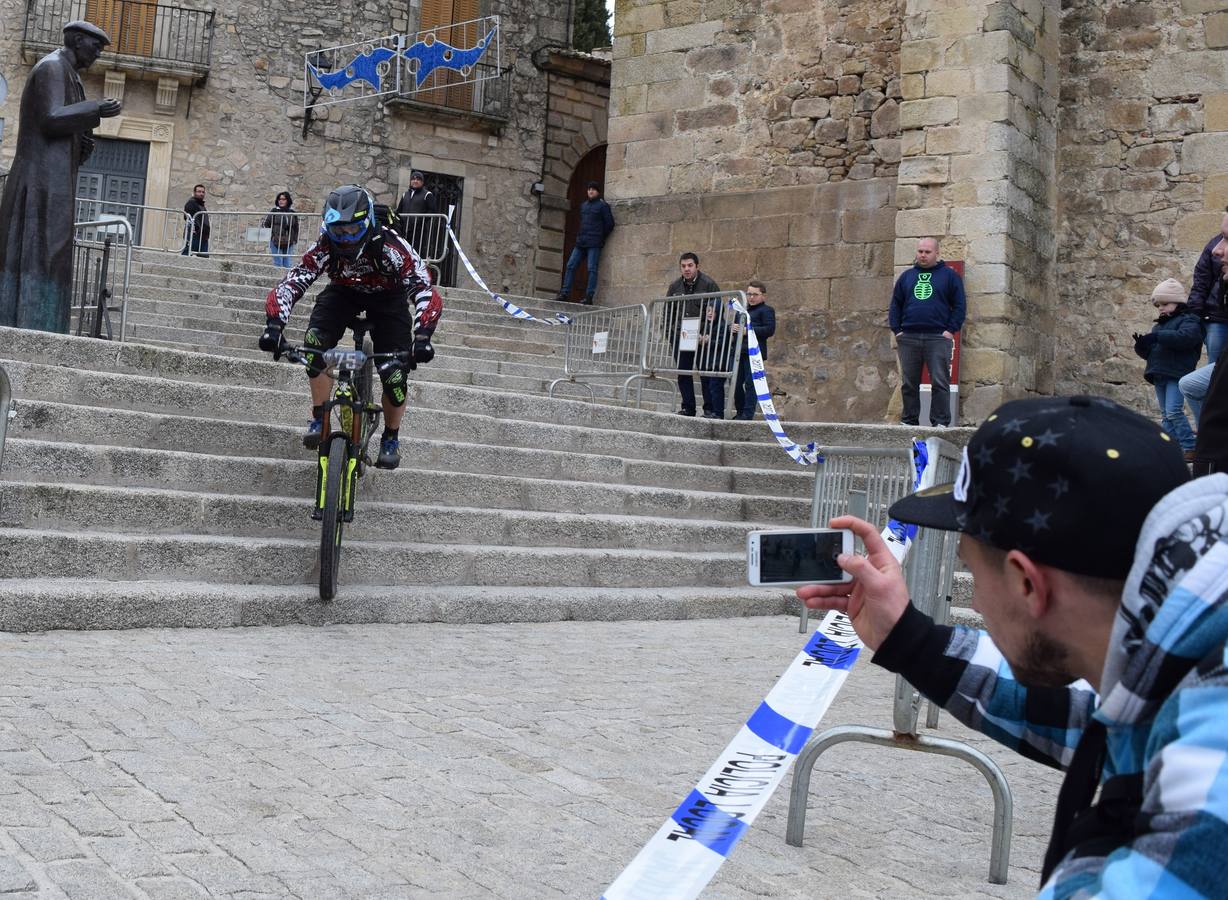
{"points": [[272, 341], [423, 351]]}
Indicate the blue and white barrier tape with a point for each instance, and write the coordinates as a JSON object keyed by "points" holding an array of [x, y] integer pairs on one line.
{"points": [[806, 456], [511, 308], [685, 853], [681, 858]]}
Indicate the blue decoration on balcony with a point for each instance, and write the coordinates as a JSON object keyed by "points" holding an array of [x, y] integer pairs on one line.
{"points": [[438, 55], [363, 67]]}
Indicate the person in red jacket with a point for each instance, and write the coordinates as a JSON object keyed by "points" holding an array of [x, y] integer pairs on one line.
{"points": [[371, 269]]}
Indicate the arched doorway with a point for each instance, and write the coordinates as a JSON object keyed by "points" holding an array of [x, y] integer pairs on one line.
{"points": [[591, 167]]}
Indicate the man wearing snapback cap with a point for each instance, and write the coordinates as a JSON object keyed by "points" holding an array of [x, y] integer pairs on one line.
{"points": [[1101, 572]]}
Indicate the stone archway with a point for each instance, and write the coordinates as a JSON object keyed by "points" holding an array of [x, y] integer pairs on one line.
{"points": [[566, 147]]}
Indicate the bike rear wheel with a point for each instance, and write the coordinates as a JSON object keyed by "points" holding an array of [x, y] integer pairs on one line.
{"points": [[332, 525]]}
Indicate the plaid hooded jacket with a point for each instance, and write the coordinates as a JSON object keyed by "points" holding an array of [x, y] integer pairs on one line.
{"points": [[1164, 707]]}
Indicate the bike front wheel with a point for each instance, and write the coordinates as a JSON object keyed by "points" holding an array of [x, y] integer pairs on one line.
{"points": [[335, 486]]}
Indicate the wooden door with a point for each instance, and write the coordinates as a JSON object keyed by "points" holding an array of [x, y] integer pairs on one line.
{"points": [[590, 168]]}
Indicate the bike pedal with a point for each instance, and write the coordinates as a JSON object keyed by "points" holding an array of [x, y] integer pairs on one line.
{"points": [[317, 515], [347, 517]]}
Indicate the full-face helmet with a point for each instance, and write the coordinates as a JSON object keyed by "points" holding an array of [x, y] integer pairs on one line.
{"points": [[349, 220]]}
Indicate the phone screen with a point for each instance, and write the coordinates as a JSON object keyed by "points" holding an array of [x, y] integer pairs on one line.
{"points": [[799, 557]]}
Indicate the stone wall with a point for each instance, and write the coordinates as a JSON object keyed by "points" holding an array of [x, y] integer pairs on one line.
{"points": [[1144, 175], [763, 136], [240, 133], [980, 85]]}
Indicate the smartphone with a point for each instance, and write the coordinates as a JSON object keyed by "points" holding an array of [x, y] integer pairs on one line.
{"points": [[797, 556]]}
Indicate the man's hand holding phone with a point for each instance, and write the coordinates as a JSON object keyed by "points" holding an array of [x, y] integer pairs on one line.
{"points": [[876, 597]]}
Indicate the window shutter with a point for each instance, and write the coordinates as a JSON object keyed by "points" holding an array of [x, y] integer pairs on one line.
{"points": [[436, 14]]}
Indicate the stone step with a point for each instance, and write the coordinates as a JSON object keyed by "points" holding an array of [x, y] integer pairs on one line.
{"points": [[250, 320], [34, 553], [130, 510], [431, 474], [45, 604], [162, 450], [211, 371]]}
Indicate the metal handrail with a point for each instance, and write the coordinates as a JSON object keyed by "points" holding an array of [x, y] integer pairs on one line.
{"points": [[107, 227], [137, 28]]}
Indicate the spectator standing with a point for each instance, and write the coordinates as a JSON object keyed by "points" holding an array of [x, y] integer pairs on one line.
{"points": [[927, 310], [763, 320], [196, 239], [1208, 296], [423, 235], [1171, 349], [1099, 569], [1194, 389], [715, 354], [596, 223], [691, 281], [282, 222], [1211, 447]]}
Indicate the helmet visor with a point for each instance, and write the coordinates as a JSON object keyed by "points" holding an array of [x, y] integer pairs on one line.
{"points": [[347, 232]]}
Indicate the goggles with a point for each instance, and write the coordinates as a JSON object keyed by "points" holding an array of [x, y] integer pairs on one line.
{"points": [[348, 232]]}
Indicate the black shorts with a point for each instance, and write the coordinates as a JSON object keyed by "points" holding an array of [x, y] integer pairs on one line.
{"points": [[392, 320]]}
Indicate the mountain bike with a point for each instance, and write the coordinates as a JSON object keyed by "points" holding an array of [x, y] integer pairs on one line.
{"points": [[350, 417]]}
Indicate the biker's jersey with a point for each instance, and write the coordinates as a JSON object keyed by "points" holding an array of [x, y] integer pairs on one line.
{"points": [[409, 274]]}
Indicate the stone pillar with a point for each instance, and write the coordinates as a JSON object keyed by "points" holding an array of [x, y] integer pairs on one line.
{"points": [[979, 88]]}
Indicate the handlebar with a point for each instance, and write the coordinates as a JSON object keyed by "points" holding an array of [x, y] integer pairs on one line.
{"points": [[336, 361]]}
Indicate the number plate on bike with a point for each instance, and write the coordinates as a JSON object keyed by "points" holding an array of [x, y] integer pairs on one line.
{"points": [[345, 360]]}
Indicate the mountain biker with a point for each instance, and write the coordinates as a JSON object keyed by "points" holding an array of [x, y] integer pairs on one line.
{"points": [[371, 269]]}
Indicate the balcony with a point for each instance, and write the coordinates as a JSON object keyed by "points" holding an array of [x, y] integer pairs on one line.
{"points": [[147, 38], [479, 93]]}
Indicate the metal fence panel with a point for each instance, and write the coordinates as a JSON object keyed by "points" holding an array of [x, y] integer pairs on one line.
{"points": [[153, 227], [697, 334], [605, 344], [102, 266]]}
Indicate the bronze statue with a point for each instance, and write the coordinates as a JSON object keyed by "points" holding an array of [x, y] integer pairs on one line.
{"points": [[39, 205]]}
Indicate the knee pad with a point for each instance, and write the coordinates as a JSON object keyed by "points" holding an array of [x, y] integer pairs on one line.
{"points": [[396, 384], [313, 349]]}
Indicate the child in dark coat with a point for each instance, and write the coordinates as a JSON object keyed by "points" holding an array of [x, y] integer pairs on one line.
{"points": [[1171, 349]]}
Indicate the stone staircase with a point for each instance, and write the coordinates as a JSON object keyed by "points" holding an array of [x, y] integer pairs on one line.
{"points": [[161, 482]]}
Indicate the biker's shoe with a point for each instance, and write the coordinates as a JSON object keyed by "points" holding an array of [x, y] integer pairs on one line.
{"points": [[311, 437], [389, 454]]}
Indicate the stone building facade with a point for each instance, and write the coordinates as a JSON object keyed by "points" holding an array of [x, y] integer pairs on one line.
{"points": [[237, 123], [1069, 154]]}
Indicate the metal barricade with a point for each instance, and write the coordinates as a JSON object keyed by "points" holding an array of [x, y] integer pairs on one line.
{"points": [[245, 233], [865, 482], [427, 233], [102, 269], [153, 227], [696, 335], [605, 344]]}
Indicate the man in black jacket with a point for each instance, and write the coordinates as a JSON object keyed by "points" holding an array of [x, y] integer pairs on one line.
{"points": [[197, 226], [691, 281], [1207, 295], [763, 322], [1211, 447], [596, 223], [423, 234]]}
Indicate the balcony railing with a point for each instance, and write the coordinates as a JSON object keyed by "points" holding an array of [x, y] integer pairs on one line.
{"points": [[144, 35]]}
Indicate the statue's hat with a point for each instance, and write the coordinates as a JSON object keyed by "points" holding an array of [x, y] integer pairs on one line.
{"points": [[88, 28]]}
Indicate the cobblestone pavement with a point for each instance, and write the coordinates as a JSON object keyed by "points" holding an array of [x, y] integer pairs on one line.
{"points": [[511, 761]]}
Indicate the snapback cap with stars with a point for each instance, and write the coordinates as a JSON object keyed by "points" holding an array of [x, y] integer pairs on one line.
{"points": [[1066, 480]]}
